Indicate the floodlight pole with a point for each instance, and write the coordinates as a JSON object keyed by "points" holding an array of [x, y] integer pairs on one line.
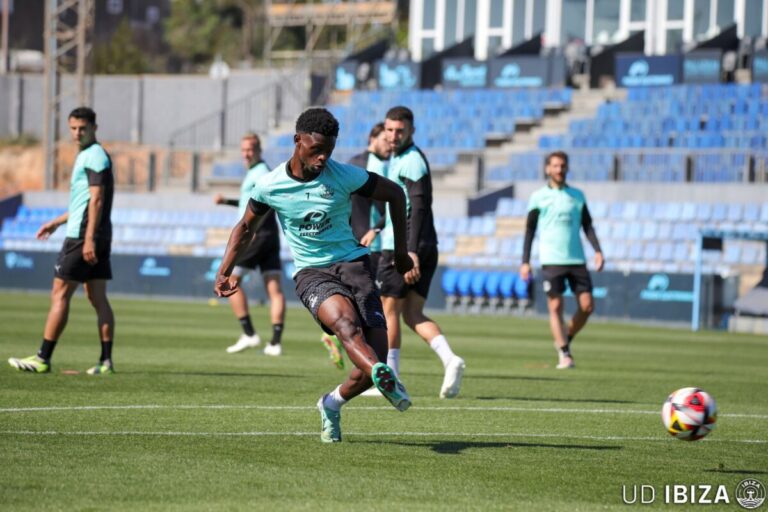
{"points": [[64, 43], [6, 13]]}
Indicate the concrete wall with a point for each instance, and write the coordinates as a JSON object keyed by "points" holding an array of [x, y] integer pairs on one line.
{"points": [[149, 109]]}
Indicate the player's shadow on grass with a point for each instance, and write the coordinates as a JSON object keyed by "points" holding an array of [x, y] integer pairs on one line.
{"points": [[456, 447], [737, 471], [494, 377], [565, 400], [223, 374]]}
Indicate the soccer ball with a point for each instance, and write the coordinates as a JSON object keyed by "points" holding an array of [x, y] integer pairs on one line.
{"points": [[689, 414]]}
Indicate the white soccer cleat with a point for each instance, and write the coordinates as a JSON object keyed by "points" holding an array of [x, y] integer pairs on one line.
{"points": [[452, 379], [273, 350], [565, 363], [243, 343]]}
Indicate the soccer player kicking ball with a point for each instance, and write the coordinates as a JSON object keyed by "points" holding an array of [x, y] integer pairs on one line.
{"points": [[311, 195], [84, 257], [263, 252], [367, 217], [561, 211]]}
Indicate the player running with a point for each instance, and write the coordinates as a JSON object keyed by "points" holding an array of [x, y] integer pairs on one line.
{"points": [[406, 295], [84, 257], [561, 211], [263, 252], [311, 195]]}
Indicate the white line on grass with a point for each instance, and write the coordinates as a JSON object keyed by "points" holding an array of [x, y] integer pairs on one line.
{"points": [[362, 408], [363, 434]]}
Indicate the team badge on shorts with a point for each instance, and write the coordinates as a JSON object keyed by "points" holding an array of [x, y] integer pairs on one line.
{"points": [[547, 286]]}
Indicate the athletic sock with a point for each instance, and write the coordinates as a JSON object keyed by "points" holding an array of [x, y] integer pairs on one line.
{"points": [[247, 326], [277, 334], [46, 349], [333, 400], [393, 360], [565, 351], [106, 350], [440, 345]]}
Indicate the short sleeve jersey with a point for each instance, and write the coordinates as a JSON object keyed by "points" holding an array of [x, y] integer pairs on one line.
{"points": [[559, 225], [246, 188], [315, 214], [409, 165], [92, 167], [267, 229]]}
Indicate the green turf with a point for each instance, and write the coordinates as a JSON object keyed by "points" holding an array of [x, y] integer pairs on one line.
{"points": [[240, 432]]}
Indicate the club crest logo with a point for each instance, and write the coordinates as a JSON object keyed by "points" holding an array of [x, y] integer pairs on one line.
{"points": [[750, 493], [326, 192]]}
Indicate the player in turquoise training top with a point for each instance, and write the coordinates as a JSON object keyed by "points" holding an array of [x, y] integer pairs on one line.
{"points": [[263, 252], [406, 295], [561, 212], [311, 195], [84, 257]]}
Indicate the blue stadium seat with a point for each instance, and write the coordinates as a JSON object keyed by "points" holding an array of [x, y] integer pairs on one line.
{"points": [[477, 286], [449, 281]]}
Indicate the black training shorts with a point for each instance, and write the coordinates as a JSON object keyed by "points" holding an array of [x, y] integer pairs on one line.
{"points": [[555, 276], [262, 253], [392, 283], [70, 265], [353, 280]]}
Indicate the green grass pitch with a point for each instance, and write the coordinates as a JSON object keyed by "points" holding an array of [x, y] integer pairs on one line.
{"points": [[185, 426]]}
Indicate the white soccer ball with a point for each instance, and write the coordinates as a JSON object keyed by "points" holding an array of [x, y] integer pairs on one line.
{"points": [[689, 414]]}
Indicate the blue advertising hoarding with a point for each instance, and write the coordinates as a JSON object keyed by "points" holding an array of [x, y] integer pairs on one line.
{"points": [[702, 67], [344, 76], [639, 70], [462, 73], [760, 66], [514, 72], [398, 75]]}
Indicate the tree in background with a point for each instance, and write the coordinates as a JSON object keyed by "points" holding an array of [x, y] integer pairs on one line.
{"points": [[197, 30], [121, 55]]}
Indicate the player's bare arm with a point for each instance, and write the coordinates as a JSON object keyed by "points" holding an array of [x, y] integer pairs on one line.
{"points": [[95, 206], [47, 229], [241, 236], [389, 191]]}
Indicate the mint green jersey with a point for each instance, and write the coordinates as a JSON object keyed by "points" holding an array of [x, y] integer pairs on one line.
{"points": [[376, 166], [246, 188], [559, 225], [314, 215], [92, 167]]}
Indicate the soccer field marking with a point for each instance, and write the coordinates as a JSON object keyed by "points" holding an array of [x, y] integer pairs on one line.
{"points": [[516, 435], [357, 408]]}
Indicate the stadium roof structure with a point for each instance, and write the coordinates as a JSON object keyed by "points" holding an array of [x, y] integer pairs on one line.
{"points": [[316, 16], [713, 239]]}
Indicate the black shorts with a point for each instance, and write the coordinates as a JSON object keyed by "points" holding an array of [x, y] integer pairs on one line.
{"points": [[375, 258], [353, 280], [554, 277], [70, 265], [264, 254], [392, 283]]}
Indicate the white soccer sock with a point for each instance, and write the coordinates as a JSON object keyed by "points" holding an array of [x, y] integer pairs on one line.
{"points": [[333, 400], [393, 360], [440, 345]]}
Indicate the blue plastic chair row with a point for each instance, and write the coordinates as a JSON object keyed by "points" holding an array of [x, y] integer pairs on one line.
{"points": [[485, 283]]}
